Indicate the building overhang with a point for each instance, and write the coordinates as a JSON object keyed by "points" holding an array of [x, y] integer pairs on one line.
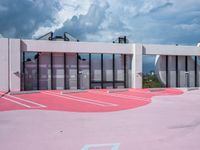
{"points": [[75, 47]]}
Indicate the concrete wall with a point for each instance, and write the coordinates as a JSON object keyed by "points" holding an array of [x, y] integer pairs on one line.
{"points": [[15, 64], [137, 66], [152, 49], [75, 47], [4, 65]]}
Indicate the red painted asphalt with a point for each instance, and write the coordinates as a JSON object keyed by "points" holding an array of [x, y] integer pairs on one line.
{"points": [[89, 101]]}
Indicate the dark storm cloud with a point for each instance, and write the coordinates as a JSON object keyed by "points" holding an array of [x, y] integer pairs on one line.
{"points": [[20, 18], [148, 21]]}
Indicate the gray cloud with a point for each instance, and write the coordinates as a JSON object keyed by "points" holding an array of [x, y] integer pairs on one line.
{"points": [[20, 18], [90, 23], [148, 21]]}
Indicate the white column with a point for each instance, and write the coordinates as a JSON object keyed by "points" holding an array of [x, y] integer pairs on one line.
{"points": [[15, 64], [137, 66], [4, 64]]}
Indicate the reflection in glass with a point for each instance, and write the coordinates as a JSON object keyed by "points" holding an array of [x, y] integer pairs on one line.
{"points": [[45, 71], [30, 70], [83, 71], [58, 71], [119, 67], [107, 67], [71, 71], [96, 67]]}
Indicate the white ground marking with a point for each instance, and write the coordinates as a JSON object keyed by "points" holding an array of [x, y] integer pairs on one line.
{"points": [[16, 102], [123, 96], [153, 93], [73, 99], [87, 99], [114, 146], [23, 100], [106, 103]]}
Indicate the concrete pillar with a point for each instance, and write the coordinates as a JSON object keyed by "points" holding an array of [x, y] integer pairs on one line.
{"points": [[15, 64], [137, 66], [4, 65]]}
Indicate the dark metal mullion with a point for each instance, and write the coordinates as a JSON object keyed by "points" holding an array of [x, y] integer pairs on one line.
{"points": [[124, 70], [90, 71], [65, 72], [38, 72], [195, 73], [186, 70], [51, 71], [23, 69], [102, 71], [177, 78], [167, 72], [78, 81], [113, 65], [186, 63]]}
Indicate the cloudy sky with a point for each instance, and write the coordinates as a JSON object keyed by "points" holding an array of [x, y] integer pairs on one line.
{"points": [[146, 21]]}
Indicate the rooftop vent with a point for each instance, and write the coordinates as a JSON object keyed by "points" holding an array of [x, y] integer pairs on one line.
{"points": [[66, 37], [121, 39]]}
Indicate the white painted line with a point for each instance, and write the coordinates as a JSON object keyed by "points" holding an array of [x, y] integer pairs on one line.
{"points": [[113, 146], [106, 103], [27, 106], [27, 101], [87, 99], [123, 96], [73, 99], [148, 92]]}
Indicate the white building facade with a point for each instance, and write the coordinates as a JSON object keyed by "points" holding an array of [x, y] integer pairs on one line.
{"points": [[48, 64]]}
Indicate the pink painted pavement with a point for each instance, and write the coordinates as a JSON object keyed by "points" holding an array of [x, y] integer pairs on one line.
{"points": [[168, 122]]}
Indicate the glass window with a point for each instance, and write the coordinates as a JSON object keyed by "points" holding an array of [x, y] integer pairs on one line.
{"points": [[96, 85], [83, 71], [96, 67], [107, 67], [45, 71], [119, 67], [58, 71], [30, 70], [71, 71]]}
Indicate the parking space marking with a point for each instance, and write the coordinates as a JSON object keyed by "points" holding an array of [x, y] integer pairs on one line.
{"points": [[16, 100], [123, 96], [21, 104], [73, 99], [88, 99]]}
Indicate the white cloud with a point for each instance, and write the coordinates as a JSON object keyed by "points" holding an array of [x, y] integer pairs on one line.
{"points": [[69, 8], [1, 36]]}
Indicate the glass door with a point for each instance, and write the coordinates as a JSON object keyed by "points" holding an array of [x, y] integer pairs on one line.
{"points": [[83, 71]]}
